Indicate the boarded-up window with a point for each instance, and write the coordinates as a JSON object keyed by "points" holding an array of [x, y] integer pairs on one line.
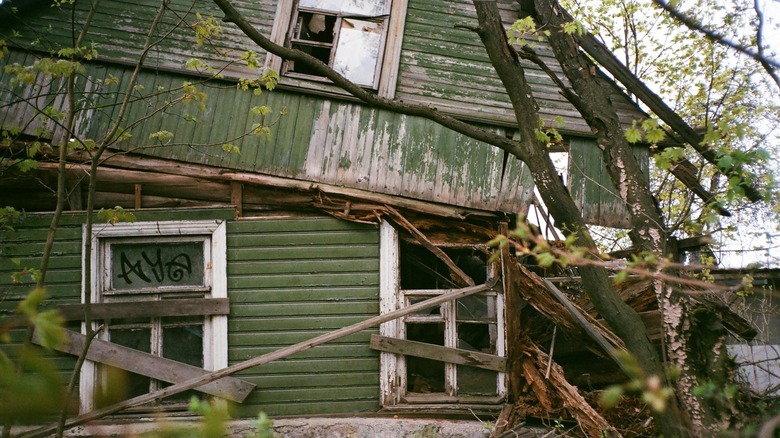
{"points": [[177, 263], [449, 353]]}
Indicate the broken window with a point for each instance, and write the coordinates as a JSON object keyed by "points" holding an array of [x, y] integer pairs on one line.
{"points": [[346, 35], [360, 39], [428, 374], [136, 264]]}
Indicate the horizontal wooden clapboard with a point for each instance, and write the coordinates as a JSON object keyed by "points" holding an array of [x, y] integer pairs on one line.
{"points": [[156, 367], [148, 309], [437, 352]]}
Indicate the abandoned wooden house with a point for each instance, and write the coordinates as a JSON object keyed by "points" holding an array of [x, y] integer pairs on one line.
{"points": [[342, 213]]}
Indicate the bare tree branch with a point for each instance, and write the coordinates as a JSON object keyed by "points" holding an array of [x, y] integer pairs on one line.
{"points": [[770, 65]]}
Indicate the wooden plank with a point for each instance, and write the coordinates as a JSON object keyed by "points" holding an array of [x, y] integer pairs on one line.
{"points": [[148, 309], [237, 197], [153, 366], [437, 352], [138, 194], [586, 325], [269, 357]]}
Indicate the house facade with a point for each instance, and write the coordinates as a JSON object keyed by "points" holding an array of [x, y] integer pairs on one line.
{"points": [[263, 220]]}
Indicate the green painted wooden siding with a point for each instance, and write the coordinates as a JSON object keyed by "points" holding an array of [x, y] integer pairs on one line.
{"points": [[441, 64], [63, 281], [290, 280], [592, 188], [322, 140]]}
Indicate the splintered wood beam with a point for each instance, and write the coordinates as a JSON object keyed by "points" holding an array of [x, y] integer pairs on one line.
{"points": [[148, 309], [149, 365], [589, 326], [459, 277], [260, 360], [437, 352]]}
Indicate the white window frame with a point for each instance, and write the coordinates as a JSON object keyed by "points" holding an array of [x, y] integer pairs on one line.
{"points": [[390, 60], [215, 279], [393, 375]]}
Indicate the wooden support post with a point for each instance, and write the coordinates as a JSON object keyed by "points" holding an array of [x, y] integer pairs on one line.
{"points": [[74, 194], [514, 305], [237, 197], [264, 359], [137, 196]]}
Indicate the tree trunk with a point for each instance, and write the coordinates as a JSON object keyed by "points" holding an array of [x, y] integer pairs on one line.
{"points": [[649, 233], [623, 320]]}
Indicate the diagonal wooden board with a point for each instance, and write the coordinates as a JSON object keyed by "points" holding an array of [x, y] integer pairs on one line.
{"points": [[437, 352], [153, 366]]}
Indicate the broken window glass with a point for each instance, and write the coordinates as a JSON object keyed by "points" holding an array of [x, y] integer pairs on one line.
{"points": [[365, 8], [346, 35]]}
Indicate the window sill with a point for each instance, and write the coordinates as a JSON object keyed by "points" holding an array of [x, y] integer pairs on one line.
{"points": [[428, 398]]}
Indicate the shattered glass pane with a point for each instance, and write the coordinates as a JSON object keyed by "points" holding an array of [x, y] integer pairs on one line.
{"points": [[476, 308], [365, 8], [357, 52], [315, 27]]}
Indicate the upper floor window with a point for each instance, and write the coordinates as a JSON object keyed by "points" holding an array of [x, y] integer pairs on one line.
{"points": [[360, 39]]}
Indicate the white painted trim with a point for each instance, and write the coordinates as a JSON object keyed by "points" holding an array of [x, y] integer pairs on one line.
{"points": [[389, 283], [388, 75], [215, 345]]}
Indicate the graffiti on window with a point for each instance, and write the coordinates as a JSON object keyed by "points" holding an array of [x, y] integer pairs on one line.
{"points": [[141, 265]]}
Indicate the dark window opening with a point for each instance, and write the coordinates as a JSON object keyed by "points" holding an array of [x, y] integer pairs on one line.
{"points": [[420, 269], [425, 375]]}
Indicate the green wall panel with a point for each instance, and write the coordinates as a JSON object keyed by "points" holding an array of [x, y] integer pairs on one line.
{"points": [[592, 188], [294, 279], [289, 280]]}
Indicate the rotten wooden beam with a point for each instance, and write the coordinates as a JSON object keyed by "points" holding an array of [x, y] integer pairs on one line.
{"points": [[590, 326]]}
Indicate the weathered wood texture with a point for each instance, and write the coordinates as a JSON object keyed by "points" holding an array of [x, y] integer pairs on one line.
{"points": [[592, 188], [440, 64], [293, 279], [149, 309], [152, 366], [25, 244], [447, 66], [320, 140], [437, 352]]}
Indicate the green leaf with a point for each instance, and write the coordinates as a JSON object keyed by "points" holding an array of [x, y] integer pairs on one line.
{"points": [[49, 328], [611, 396], [29, 305], [633, 135], [162, 136]]}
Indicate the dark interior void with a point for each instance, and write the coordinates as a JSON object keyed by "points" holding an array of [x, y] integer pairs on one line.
{"points": [[420, 269]]}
